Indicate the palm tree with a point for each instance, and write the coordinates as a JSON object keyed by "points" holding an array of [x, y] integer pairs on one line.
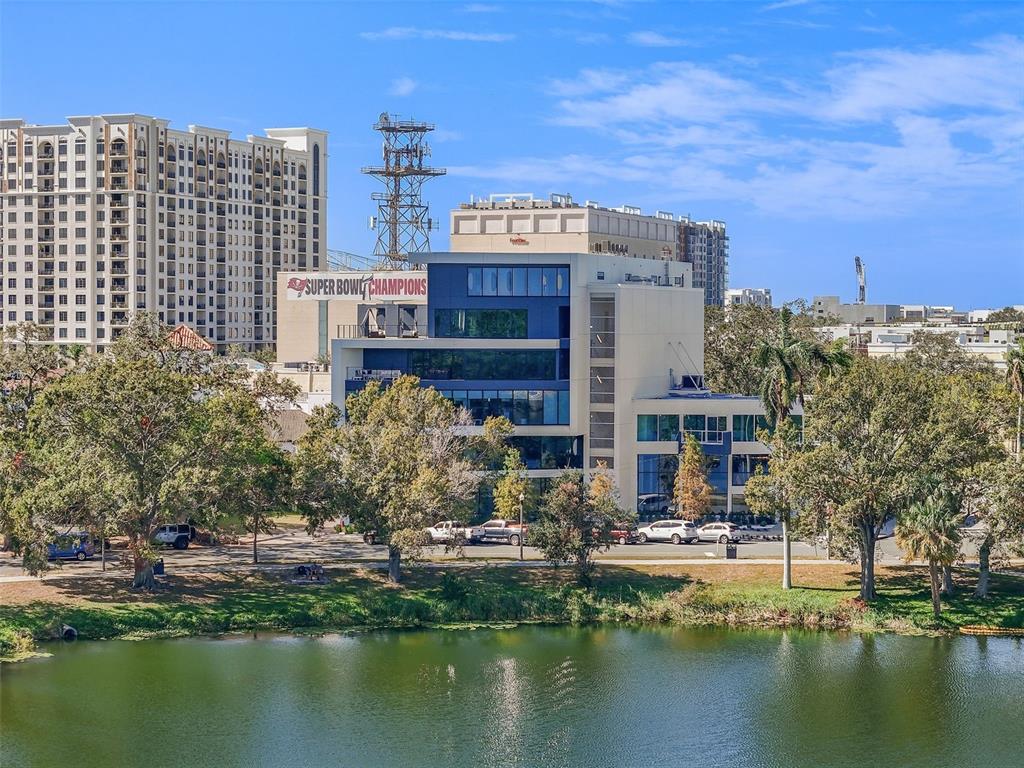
{"points": [[1015, 380], [788, 364], [929, 530]]}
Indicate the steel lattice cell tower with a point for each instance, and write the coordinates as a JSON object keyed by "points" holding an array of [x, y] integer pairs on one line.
{"points": [[402, 222]]}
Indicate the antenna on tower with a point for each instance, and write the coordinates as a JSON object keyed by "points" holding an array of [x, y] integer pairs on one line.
{"points": [[862, 286], [403, 221]]}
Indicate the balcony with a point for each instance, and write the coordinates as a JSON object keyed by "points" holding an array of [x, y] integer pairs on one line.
{"points": [[372, 374], [119, 166], [119, 185], [120, 217], [119, 201], [45, 203], [46, 169], [120, 149], [46, 185]]}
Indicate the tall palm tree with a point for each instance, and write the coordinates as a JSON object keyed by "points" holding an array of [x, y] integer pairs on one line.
{"points": [[788, 364], [929, 531], [1015, 380]]}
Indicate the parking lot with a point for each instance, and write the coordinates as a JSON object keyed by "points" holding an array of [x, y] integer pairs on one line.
{"points": [[295, 546]]}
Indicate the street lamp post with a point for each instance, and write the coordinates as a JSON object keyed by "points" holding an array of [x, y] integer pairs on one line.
{"points": [[522, 531]]}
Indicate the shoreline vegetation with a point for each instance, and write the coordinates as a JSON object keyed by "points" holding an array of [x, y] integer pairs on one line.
{"points": [[100, 608]]}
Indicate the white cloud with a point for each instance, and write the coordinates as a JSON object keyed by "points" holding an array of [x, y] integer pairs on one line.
{"points": [[882, 132], [784, 4], [415, 33], [650, 39], [402, 86]]}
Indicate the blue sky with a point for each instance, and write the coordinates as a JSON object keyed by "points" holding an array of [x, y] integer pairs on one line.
{"points": [[817, 130]]}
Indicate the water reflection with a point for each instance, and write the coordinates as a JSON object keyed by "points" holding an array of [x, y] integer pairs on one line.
{"points": [[525, 697]]}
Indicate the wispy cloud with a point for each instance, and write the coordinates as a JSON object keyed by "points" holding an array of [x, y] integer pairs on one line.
{"points": [[784, 4], [416, 33], [650, 39], [402, 86], [481, 8], [918, 127]]}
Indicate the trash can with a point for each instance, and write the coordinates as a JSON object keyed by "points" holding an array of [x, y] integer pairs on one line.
{"points": [[730, 551], [158, 567]]}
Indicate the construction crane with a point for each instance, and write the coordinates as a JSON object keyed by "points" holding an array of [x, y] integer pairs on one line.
{"points": [[862, 285]]}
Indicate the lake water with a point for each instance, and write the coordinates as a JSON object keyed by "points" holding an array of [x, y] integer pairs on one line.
{"points": [[522, 697]]}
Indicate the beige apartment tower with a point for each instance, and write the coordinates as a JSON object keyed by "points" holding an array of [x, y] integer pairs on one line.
{"points": [[110, 215]]}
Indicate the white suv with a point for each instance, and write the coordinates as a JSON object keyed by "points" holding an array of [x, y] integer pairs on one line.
{"points": [[176, 535], [676, 531], [723, 533]]}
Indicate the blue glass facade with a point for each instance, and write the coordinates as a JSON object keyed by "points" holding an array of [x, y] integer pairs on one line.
{"points": [[474, 301]]}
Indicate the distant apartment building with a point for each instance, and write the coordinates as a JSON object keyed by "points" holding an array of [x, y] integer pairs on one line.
{"points": [[759, 297], [705, 245], [109, 215], [522, 223], [898, 339]]}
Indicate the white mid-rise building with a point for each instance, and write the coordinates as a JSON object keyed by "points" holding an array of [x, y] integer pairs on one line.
{"points": [[109, 215], [759, 297]]}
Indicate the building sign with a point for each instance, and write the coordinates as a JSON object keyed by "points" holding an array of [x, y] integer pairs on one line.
{"points": [[357, 286], [518, 240]]}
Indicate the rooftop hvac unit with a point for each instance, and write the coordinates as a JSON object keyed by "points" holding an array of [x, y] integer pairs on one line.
{"points": [[592, 204]]}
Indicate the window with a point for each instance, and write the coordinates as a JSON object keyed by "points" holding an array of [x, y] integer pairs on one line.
{"points": [[647, 427], [517, 281], [482, 364], [473, 281], [480, 323], [523, 407], [655, 476], [746, 426]]}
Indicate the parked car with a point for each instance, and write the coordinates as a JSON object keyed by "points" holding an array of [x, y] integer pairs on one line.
{"points": [[676, 531], [448, 531], [624, 534], [501, 531], [71, 546], [177, 536], [652, 505], [723, 533]]}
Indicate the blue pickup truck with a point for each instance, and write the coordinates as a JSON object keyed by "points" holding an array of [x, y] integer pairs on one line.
{"points": [[71, 546]]}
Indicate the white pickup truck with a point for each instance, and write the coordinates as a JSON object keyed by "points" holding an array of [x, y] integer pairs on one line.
{"points": [[449, 532]]}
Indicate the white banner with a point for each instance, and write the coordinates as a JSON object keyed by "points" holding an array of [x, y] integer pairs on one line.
{"points": [[357, 286]]}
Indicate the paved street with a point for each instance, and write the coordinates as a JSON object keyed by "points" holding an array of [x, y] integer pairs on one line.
{"points": [[295, 546]]}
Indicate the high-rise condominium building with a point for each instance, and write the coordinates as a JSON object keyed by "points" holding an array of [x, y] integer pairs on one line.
{"points": [[109, 215], [705, 245]]}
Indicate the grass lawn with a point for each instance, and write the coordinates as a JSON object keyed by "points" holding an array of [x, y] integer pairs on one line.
{"points": [[687, 594]]}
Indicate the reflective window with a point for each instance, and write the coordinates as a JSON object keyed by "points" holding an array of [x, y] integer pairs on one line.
{"points": [[480, 323], [483, 364], [517, 281], [523, 407], [473, 284]]}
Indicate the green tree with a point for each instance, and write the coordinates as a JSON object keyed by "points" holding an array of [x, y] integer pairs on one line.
{"points": [[513, 492], [1015, 382], [1006, 315], [939, 353], [691, 489], [1001, 515], [929, 530], [866, 454], [254, 483], [398, 465], [575, 523], [788, 365], [134, 437]]}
